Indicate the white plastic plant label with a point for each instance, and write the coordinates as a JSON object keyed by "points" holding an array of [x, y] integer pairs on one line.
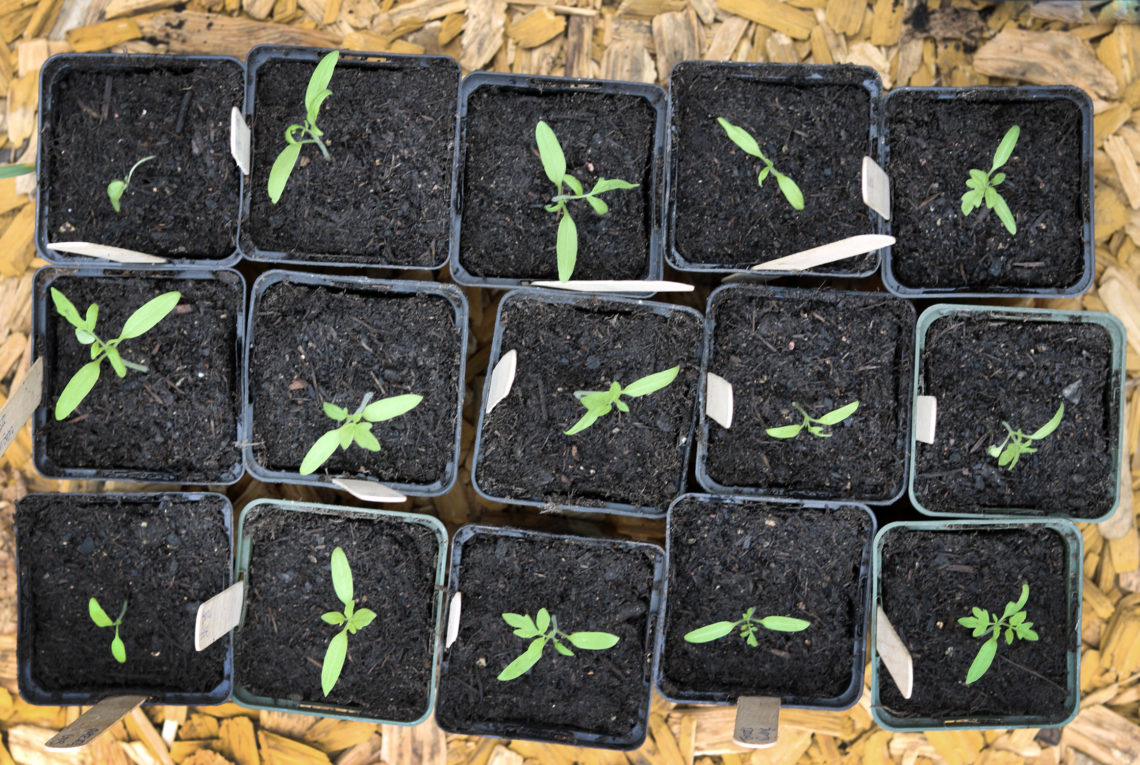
{"points": [[91, 724], [369, 491], [827, 253], [502, 378], [21, 404], [453, 612], [718, 400], [218, 615], [104, 252], [239, 140], [893, 652], [925, 418], [757, 721], [616, 285], [876, 188]]}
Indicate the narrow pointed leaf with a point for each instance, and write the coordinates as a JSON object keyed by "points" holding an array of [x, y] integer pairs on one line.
{"points": [[320, 451], [651, 383], [334, 661], [341, 575], [550, 152], [562, 649], [588, 419], [791, 191], [65, 308], [609, 184], [524, 662], [77, 389], [740, 137], [784, 624], [313, 110], [319, 81], [785, 431], [335, 412], [281, 170], [1023, 599], [151, 313], [98, 615], [710, 632], [592, 641], [1005, 148], [1052, 425], [118, 649], [837, 416], [1002, 209], [566, 247], [394, 406], [983, 660]]}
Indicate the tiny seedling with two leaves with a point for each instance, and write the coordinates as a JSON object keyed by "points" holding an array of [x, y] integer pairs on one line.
{"points": [[748, 145], [118, 187], [543, 628], [817, 426], [356, 427], [749, 625], [142, 320], [296, 136], [1012, 620], [554, 163], [350, 619], [99, 616], [983, 186], [599, 403], [1016, 443]]}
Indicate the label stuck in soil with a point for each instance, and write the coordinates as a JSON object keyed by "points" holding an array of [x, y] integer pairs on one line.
{"points": [[827, 253], [21, 404], [218, 615], [239, 141], [718, 400], [369, 491], [616, 285], [894, 654], [925, 418], [93, 722], [876, 188], [104, 252], [453, 612], [502, 378], [757, 721]]}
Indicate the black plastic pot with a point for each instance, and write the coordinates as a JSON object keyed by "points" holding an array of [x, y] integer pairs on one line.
{"points": [[579, 573], [990, 271], [163, 559], [745, 567], [156, 125], [557, 87], [420, 223], [146, 427], [757, 85]]}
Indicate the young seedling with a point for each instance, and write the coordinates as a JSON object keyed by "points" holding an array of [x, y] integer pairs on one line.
{"points": [[747, 143], [118, 187], [983, 186], [598, 403], [749, 626], [297, 136], [1016, 443], [1012, 620], [352, 430], [554, 163], [99, 616], [544, 629], [816, 426], [142, 320], [351, 620]]}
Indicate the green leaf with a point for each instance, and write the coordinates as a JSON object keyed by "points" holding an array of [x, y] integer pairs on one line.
{"points": [[562, 649], [118, 649], [98, 615], [979, 178], [1007, 456], [785, 431], [345, 434], [763, 175], [282, 169], [751, 639], [740, 137], [361, 619], [11, 171], [971, 201], [1008, 636], [973, 184], [313, 110], [334, 412], [64, 308], [994, 451], [319, 81], [542, 620], [91, 318], [997, 179], [77, 389], [566, 247], [710, 632], [784, 624], [593, 641], [1005, 148], [791, 191], [980, 630], [982, 614], [651, 383], [574, 184], [84, 337], [588, 419], [597, 401], [364, 438], [983, 660], [969, 622], [609, 184], [600, 207], [836, 416], [334, 661], [320, 451], [1048, 428], [990, 195], [335, 618], [115, 191], [524, 662], [116, 361], [1025, 633], [394, 406], [341, 575], [1023, 599], [550, 152], [1017, 619], [149, 314], [1002, 209]]}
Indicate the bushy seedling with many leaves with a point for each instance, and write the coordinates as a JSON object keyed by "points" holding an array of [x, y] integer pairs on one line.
{"points": [[1016, 443], [99, 616], [983, 186], [743, 139], [356, 427], [1012, 620], [543, 629], [296, 136], [599, 403], [817, 426], [749, 625], [350, 620]]}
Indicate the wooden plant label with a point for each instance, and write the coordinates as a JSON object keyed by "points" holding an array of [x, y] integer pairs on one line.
{"points": [[502, 378], [827, 253], [718, 400], [876, 188], [104, 252], [925, 418], [91, 724], [616, 285], [453, 611], [369, 491], [239, 140], [893, 652], [21, 404], [757, 721], [218, 615]]}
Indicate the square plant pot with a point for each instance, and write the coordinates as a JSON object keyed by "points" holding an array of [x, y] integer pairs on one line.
{"points": [[787, 352], [381, 199], [806, 561], [179, 422], [147, 559], [631, 463], [100, 114], [592, 693], [988, 367], [929, 575], [814, 123], [319, 340], [396, 563], [501, 233], [936, 138]]}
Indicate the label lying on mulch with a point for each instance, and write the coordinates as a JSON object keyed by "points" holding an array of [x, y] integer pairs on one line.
{"points": [[20, 405], [757, 721], [92, 723]]}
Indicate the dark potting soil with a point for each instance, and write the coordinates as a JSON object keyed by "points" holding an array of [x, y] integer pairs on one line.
{"points": [[588, 585], [822, 351], [384, 198], [103, 118], [162, 554], [816, 133], [635, 457], [506, 232], [783, 561], [177, 422], [313, 344], [930, 579], [933, 145], [985, 371], [282, 642]]}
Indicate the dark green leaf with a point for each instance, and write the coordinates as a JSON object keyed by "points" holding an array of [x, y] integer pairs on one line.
{"points": [[11, 171]]}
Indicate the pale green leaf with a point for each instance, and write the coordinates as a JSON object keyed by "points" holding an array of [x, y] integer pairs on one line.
{"points": [[64, 308], [1007, 456], [118, 649], [791, 191], [313, 110], [98, 615], [710, 632], [740, 137], [566, 247], [364, 438], [1005, 148], [84, 337], [77, 389], [785, 431], [282, 169], [983, 660], [574, 184], [319, 81], [836, 416], [784, 624], [600, 207], [763, 176], [651, 383], [1002, 209], [1024, 598], [609, 184], [394, 406], [344, 435], [542, 620], [971, 201], [335, 618], [1048, 428], [116, 361], [550, 152], [341, 575], [115, 191], [334, 661], [562, 649], [320, 451], [149, 314], [979, 178], [361, 619], [524, 662], [592, 641], [588, 419], [334, 412], [997, 179]]}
